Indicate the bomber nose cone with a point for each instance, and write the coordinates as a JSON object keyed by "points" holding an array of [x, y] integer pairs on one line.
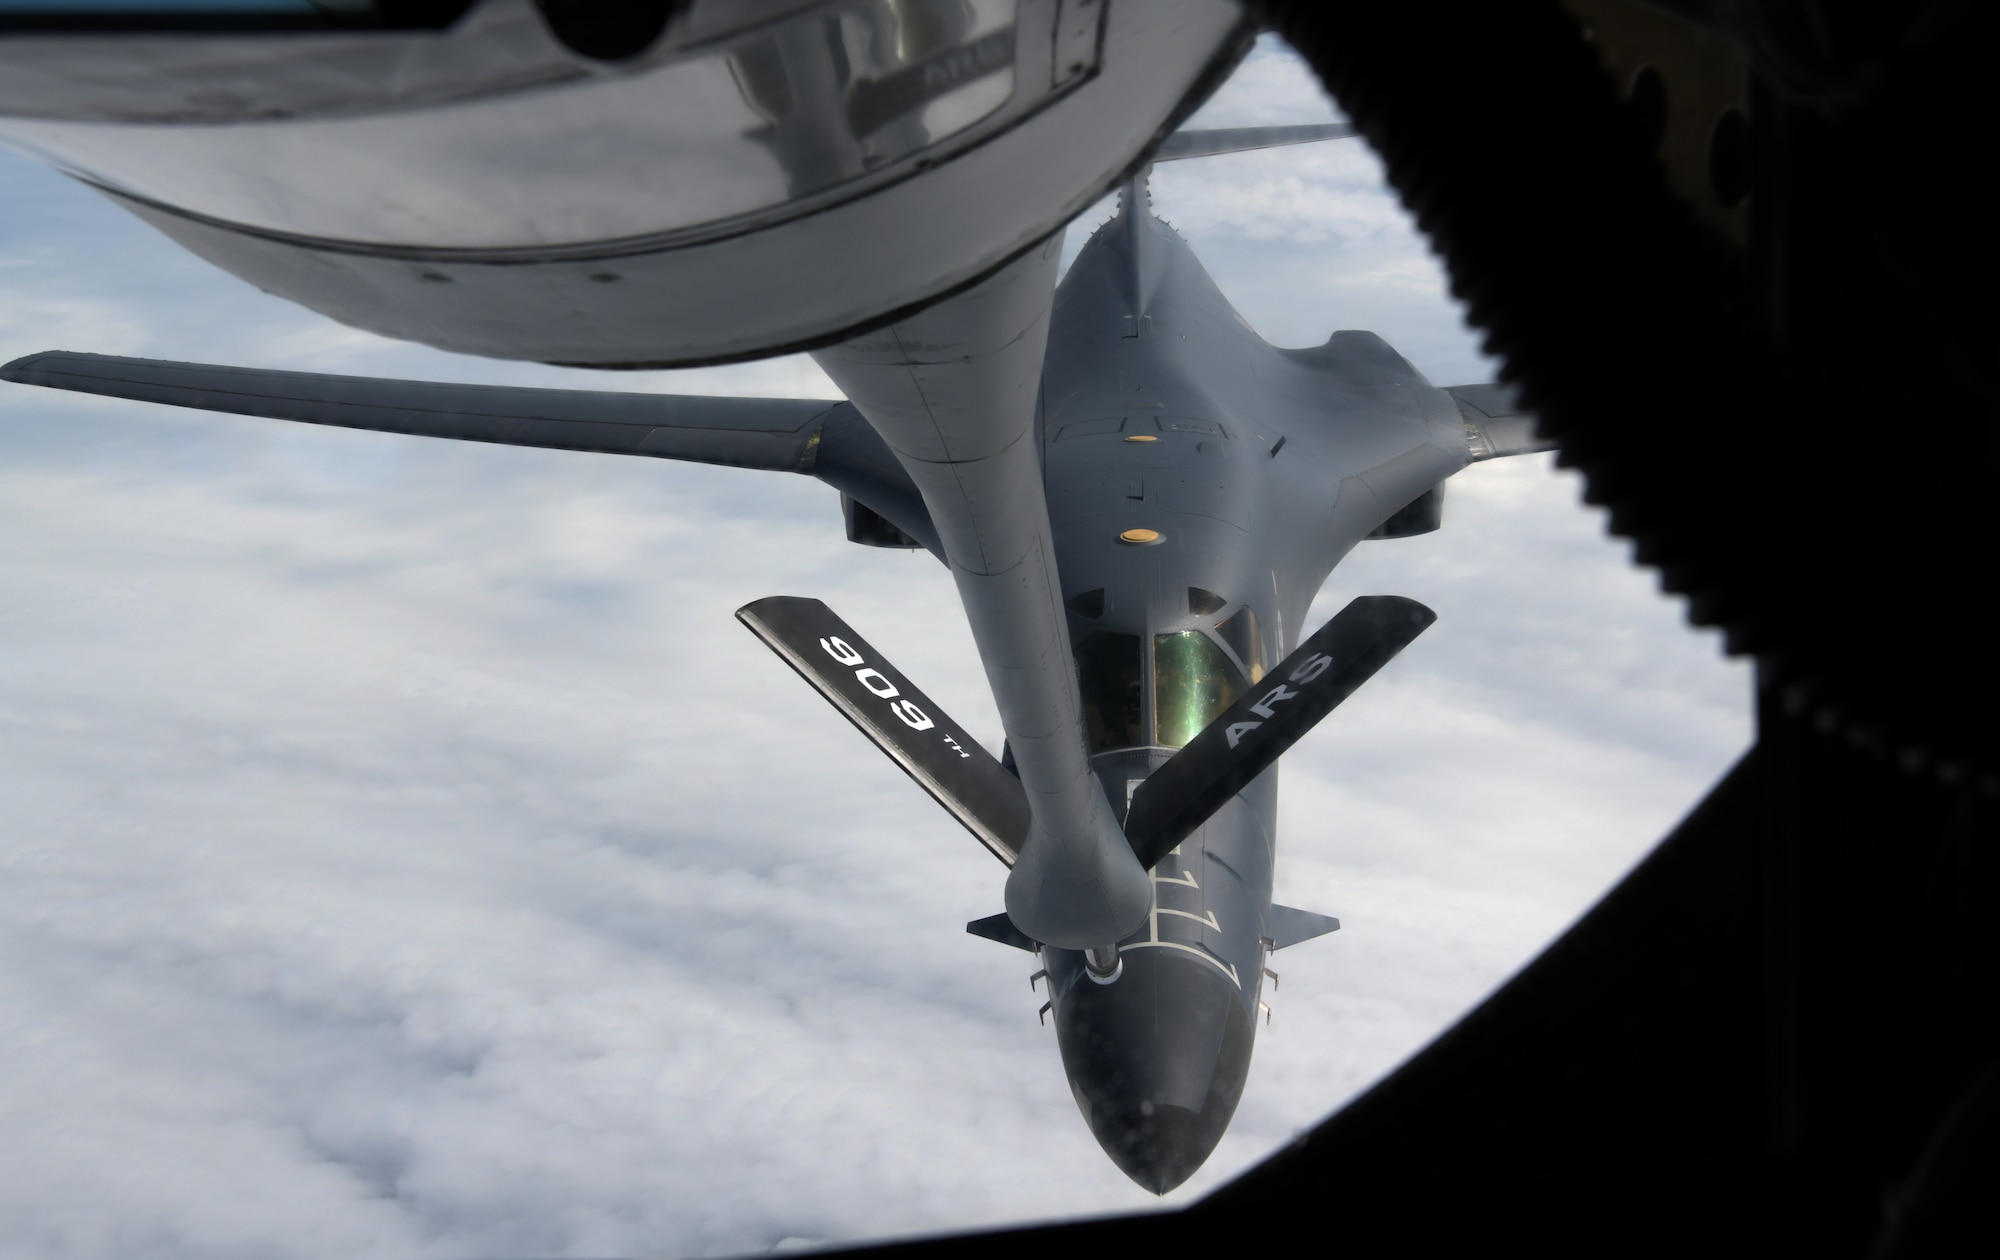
{"points": [[1157, 1061], [1157, 1145]]}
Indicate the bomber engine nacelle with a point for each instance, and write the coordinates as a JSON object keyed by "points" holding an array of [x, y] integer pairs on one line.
{"points": [[1420, 515], [870, 528]]}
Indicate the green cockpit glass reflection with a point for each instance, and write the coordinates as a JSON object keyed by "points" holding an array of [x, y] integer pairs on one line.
{"points": [[1240, 633], [1109, 671], [1193, 682]]}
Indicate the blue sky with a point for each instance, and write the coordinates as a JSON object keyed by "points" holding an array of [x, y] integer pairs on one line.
{"points": [[403, 852]]}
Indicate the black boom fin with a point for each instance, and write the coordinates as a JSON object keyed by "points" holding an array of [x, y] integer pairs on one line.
{"points": [[1255, 731], [904, 722]]}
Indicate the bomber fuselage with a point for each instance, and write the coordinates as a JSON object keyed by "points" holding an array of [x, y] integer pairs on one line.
{"points": [[1201, 486]]}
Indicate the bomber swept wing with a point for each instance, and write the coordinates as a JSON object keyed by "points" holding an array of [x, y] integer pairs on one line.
{"points": [[1189, 143], [1495, 423], [773, 433], [823, 438]]}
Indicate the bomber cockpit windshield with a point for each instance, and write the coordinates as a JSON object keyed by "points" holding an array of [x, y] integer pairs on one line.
{"points": [[1240, 633], [1193, 682], [1109, 669]]}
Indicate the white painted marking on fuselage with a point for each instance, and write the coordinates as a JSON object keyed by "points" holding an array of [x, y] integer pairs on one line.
{"points": [[1206, 918], [1227, 969]]}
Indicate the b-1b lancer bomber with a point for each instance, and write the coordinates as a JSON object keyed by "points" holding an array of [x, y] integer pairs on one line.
{"points": [[1136, 496], [1138, 599]]}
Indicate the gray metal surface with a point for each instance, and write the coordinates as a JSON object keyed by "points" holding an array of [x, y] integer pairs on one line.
{"points": [[491, 135], [768, 176]]}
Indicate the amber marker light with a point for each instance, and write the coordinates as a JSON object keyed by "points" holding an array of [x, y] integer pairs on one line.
{"points": [[1142, 437], [1139, 537]]}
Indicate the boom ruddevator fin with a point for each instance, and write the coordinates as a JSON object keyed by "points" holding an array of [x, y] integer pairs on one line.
{"points": [[1255, 731], [902, 721], [1495, 425]]}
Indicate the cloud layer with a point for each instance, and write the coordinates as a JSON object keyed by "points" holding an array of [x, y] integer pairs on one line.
{"points": [[404, 853]]}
